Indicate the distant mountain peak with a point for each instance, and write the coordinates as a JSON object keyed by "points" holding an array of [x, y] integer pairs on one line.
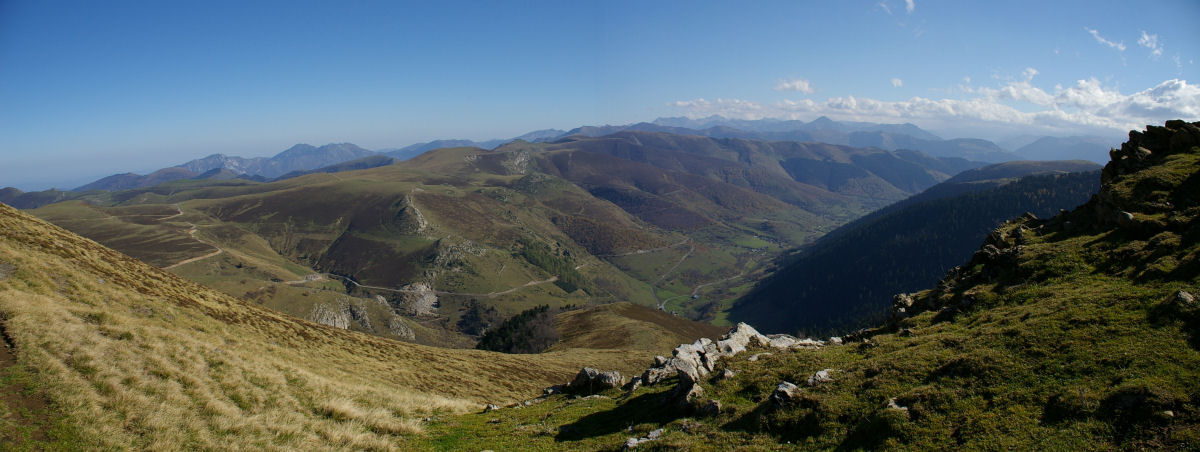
{"points": [[823, 121]]}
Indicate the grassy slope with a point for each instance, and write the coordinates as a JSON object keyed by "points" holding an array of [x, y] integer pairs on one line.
{"points": [[1077, 344], [131, 356], [628, 326]]}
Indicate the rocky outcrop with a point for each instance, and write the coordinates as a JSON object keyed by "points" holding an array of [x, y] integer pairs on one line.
{"points": [[690, 363], [736, 340], [1184, 299], [896, 407], [821, 377], [408, 219], [632, 443], [591, 381], [398, 328], [517, 162], [418, 300], [358, 312], [336, 315], [785, 393], [341, 314], [1143, 150]]}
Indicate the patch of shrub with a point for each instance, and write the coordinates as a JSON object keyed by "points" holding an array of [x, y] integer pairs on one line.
{"points": [[531, 331]]}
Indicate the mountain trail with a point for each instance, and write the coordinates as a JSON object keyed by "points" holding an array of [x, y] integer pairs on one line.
{"points": [[192, 233], [439, 292]]}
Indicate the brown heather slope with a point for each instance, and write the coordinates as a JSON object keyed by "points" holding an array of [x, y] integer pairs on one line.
{"points": [[135, 357], [629, 327]]}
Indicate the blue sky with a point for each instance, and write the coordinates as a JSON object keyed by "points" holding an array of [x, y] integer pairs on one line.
{"points": [[89, 89]]}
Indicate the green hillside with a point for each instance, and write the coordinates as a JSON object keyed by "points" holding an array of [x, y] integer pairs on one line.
{"points": [[1078, 332], [680, 223]]}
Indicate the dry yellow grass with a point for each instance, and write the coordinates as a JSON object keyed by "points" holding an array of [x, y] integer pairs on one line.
{"points": [[136, 357]]}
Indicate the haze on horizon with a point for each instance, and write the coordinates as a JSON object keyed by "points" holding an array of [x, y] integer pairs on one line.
{"points": [[90, 89]]}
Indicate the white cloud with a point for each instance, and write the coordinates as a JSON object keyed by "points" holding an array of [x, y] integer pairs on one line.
{"points": [[1100, 39], [886, 9], [1150, 41], [897, 82], [1087, 105], [909, 5], [795, 84]]}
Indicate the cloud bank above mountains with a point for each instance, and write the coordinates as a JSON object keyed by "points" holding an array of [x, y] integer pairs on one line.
{"points": [[1088, 106]]}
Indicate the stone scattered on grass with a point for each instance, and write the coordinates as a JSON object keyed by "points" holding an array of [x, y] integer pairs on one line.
{"points": [[785, 393], [822, 376]]}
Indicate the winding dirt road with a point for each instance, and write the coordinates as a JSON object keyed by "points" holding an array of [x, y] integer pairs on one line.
{"points": [[191, 233], [440, 292]]}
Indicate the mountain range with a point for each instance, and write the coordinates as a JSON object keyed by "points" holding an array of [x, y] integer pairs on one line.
{"points": [[1091, 148], [304, 157], [678, 222]]}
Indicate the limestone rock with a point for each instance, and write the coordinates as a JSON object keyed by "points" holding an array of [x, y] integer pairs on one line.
{"points": [[807, 343], [336, 315], [782, 340], [690, 398], [654, 375], [591, 380], [397, 327], [785, 393], [632, 443], [1124, 219], [739, 338], [418, 299], [408, 219], [756, 355], [358, 313], [822, 376], [892, 405], [1184, 299], [685, 370], [634, 384], [691, 357], [901, 304]]}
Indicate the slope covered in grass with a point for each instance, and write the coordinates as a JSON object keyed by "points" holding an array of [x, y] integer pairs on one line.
{"points": [[1074, 333], [128, 356]]}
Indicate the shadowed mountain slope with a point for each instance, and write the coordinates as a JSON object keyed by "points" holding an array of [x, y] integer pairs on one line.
{"points": [[846, 280]]}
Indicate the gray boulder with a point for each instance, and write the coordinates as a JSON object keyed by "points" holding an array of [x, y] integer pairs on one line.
{"points": [[785, 393], [821, 377], [807, 343], [654, 375], [1184, 299], [782, 340], [590, 381], [740, 337], [896, 407]]}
